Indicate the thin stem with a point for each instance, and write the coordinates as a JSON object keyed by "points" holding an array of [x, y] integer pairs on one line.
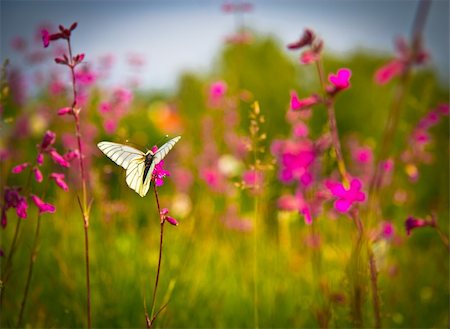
{"points": [[375, 295], [329, 102], [161, 236], [33, 257], [83, 205], [255, 262], [12, 249], [357, 272]]}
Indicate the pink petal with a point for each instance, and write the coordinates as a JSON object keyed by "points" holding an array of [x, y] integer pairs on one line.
{"points": [[342, 205], [21, 209], [387, 72], [40, 159], [59, 159], [37, 175], [64, 111], [42, 206], [172, 220], [19, 168]]}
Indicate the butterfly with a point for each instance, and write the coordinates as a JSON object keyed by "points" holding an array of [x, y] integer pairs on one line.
{"points": [[138, 165]]}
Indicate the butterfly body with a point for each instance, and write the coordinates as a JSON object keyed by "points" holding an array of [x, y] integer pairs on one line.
{"points": [[139, 166], [148, 163]]}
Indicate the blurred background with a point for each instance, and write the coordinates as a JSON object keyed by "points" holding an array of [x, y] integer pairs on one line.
{"points": [[194, 68]]}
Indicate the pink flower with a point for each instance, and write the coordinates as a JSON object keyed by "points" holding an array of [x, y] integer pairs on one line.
{"points": [[42, 206], [300, 104], [45, 38], [164, 216], [19, 168], [363, 155], [49, 139], [59, 180], [300, 130], [59, 159], [65, 110], [387, 230], [295, 162], [159, 173], [346, 197], [21, 208], [217, 91], [40, 159], [412, 223], [37, 175], [105, 107], [309, 57], [387, 72], [341, 80], [71, 155]]}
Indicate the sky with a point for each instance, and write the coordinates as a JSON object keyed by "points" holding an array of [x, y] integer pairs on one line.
{"points": [[175, 36]]}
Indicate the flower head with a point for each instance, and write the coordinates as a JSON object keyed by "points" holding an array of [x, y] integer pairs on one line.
{"points": [[48, 140], [301, 104], [164, 213], [19, 168], [60, 180], [159, 173], [346, 197], [59, 159], [42, 206], [412, 223], [340, 80]]}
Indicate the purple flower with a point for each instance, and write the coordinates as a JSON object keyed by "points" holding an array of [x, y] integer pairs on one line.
{"points": [[21, 208], [346, 197], [413, 223]]}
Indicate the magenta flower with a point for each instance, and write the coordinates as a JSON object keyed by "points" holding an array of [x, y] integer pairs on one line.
{"points": [[217, 91], [49, 139], [387, 230], [60, 180], [301, 104], [45, 38], [387, 72], [65, 110], [71, 155], [159, 173], [21, 208], [164, 216], [341, 80], [296, 160], [19, 168], [37, 175], [346, 197], [58, 158], [40, 159], [412, 223], [42, 206]]}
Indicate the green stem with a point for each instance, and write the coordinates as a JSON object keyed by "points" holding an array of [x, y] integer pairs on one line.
{"points": [[33, 257]]}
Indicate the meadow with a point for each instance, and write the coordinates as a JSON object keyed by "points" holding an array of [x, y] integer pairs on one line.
{"points": [[302, 194]]}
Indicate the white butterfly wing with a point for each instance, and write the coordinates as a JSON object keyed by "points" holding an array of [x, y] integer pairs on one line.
{"points": [[134, 174], [120, 154], [163, 150]]}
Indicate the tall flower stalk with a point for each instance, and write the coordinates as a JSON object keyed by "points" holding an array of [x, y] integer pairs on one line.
{"points": [[74, 110], [157, 180]]}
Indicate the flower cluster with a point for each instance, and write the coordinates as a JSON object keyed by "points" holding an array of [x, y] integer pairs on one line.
{"points": [[420, 139], [12, 196], [164, 214]]}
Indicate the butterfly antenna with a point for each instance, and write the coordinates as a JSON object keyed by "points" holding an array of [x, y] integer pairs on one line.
{"points": [[134, 144], [165, 137]]}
